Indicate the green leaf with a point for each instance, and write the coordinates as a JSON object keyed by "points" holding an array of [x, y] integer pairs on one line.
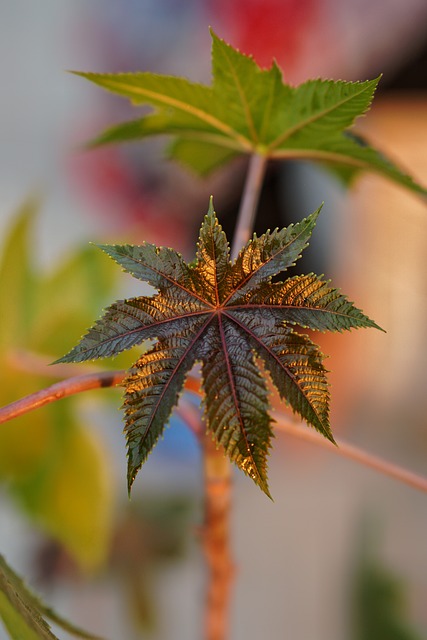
{"points": [[51, 463], [347, 155], [320, 108], [250, 110], [16, 278], [23, 613], [380, 608], [70, 492], [227, 315], [200, 155]]}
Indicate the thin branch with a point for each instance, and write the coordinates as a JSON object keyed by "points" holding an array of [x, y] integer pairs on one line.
{"points": [[59, 390], [105, 379], [251, 194], [191, 416], [78, 384], [396, 472], [216, 527]]}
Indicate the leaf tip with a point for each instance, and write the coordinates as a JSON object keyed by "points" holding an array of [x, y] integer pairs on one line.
{"points": [[82, 74], [65, 359], [215, 37], [311, 219], [131, 475], [374, 325], [318, 210], [331, 438], [106, 248], [266, 490]]}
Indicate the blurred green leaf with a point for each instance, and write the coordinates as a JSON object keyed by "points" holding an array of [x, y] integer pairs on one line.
{"points": [[52, 464], [23, 613], [16, 279], [379, 599], [152, 534]]}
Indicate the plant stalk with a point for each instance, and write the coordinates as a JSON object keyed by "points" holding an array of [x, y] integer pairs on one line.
{"points": [[216, 540], [250, 198], [215, 533], [59, 390], [105, 379], [217, 468], [350, 451]]}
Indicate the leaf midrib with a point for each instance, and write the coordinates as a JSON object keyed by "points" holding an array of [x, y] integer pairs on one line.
{"points": [[327, 156], [268, 105], [234, 394], [258, 341], [287, 134], [250, 275], [160, 273], [175, 370], [204, 116], [243, 100], [279, 306], [143, 328]]}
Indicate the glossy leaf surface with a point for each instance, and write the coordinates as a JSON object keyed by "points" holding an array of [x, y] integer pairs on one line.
{"points": [[251, 110], [230, 316]]}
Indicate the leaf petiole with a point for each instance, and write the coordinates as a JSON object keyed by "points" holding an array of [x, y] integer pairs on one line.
{"points": [[249, 202]]}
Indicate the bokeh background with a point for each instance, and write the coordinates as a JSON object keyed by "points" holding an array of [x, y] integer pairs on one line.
{"points": [[341, 554]]}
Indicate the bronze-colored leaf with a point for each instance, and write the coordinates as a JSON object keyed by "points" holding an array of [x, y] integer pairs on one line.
{"points": [[223, 314]]}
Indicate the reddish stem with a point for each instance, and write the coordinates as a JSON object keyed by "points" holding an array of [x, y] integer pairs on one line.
{"points": [[104, 379], [60, 390], [347, 450], [216, 540]]}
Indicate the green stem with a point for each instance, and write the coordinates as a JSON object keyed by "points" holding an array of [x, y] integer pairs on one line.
{"points": [[250, 198]]}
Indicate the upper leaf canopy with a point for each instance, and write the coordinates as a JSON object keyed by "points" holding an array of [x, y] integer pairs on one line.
{"points": [[229, 316], [250, 110]]}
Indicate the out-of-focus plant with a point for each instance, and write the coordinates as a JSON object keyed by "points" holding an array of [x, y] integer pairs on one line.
{"points": [[228, 309], [25, 615], [53, 465], [379, 610]]}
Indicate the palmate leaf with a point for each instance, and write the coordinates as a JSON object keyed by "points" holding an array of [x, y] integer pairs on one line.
{"points": [[250, 110], [230, 316]]}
